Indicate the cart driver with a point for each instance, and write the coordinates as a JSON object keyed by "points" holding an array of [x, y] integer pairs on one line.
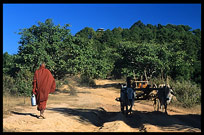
{"points": [[130, 93]]}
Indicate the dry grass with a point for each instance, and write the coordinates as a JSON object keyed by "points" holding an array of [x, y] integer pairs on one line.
{"points": [[10, 102], [194, 110]]}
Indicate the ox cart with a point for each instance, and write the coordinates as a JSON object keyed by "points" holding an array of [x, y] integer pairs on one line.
{"points": [[160, 96]]}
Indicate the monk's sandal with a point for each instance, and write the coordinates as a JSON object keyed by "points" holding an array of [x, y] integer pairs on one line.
{"points": [[41, 117]]}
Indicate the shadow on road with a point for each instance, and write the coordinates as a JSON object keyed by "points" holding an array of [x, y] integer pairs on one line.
{"points": [[136, 120], [18, 113], [114, 85]]}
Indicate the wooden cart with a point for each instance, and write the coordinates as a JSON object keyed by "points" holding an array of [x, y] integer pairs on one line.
{"points": [[157, 95]]}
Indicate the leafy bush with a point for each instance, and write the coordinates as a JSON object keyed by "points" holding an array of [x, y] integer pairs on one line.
{"points": [[186, 93], [23, 82], [66, 81], [9, 86], [58, 83], [21, 85], [87, 81]]}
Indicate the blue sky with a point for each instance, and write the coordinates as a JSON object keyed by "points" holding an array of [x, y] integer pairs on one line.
{"points": [[79, 16]]}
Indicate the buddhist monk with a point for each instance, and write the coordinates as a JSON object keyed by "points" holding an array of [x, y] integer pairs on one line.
{"points": [[43, 84]]}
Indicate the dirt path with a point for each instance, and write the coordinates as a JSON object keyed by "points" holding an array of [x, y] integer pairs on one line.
{"points": [[95, 110]]}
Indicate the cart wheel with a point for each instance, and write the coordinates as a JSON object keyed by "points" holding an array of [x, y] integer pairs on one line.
{"points": [[156, 104]]}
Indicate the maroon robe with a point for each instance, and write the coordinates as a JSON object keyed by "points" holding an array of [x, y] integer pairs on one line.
{"points": [[43, 84]]}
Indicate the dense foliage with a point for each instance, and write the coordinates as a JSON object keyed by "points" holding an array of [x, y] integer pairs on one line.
{"points": [[167, 50], [189, 94]]}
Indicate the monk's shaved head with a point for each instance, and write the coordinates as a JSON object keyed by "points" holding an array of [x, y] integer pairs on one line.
{"points": [[42, 64]]}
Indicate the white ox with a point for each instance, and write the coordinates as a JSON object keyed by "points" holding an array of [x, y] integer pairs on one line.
{"points": [[165, 96]]}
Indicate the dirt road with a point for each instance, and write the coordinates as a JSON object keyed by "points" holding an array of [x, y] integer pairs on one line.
{"points": [[95, 110]]}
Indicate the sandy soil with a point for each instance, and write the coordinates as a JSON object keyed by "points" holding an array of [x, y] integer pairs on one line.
{"points": [[95, 110]]}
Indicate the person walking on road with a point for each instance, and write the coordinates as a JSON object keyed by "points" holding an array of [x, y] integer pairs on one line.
{"points": [[43, 84]]}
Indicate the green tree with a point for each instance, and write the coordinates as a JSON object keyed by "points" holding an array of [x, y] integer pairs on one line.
{"points": [[7, 63], [44, 43], [139, 57], [91, 62], [180, 66], [87, 33]]}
